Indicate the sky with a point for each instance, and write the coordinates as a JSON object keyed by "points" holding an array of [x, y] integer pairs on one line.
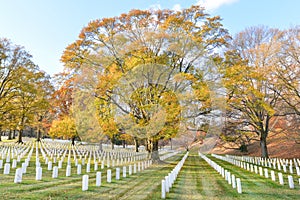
{"points": [[46, 27]]}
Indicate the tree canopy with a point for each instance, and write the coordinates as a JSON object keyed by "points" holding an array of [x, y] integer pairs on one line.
{"points": [[145, 60], [24, 89]]}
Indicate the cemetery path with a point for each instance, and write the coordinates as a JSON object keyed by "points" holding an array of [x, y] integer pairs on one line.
{"points": [[197, 180]]}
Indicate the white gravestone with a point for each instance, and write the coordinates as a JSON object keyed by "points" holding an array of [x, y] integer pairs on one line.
{"points": [[88, 167], [109, 175], [291, 182], [273, 175], [24, 168], [49, 166], [117, 173], [55, 172], [95, 166], [163, 189], [280, 177], [85, 182], [98, 179], [18, 176], [68, 171], [233, 181], [239, 185], [79, 169], [124, 171], [38, 175], [14, 164], [130, 170]]}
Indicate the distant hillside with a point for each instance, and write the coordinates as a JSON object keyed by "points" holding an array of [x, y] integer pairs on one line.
{"points": [[278, 146]]}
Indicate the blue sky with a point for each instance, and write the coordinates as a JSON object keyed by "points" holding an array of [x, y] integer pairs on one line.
{"points": [[45, 28]]}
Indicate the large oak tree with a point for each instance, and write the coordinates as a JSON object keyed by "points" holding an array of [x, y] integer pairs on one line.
{"points": [[157, 57]]}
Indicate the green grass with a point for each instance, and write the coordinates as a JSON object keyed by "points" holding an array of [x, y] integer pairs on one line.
{"points": [[196, 180], [142, 185]]}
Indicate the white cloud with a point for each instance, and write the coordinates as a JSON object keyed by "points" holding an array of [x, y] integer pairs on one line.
{"points": [[155, 7], [177, 7], [211, 5]]}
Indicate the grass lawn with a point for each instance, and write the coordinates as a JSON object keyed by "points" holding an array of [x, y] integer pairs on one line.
{"points": [[196, 180]]}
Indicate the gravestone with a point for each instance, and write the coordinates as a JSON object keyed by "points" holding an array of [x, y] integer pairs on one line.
{"points": [[239, 185], [6, 168], [233, 181], [49, 166], [117, 173], [130, 170], [266, 173], [78, 169], [280, 178], [95, 166], [273, 175], [85, 182], [98, 179], [18, 176], [68, 170], [38, 175], [55, 172], [88, 167], [291, 182], [124, 171], [109, 176], [14, 164], [163, 189], [24, 168]]}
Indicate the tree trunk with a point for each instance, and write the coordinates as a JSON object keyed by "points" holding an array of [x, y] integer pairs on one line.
{"points": [[171, 143], [31, 132], [0, 135], [124, 144], [154, 152], [263, 146], [20, 136], [38, 135], [112, 140], [136, 144], [14, 134], [100, 146], [73, 141], [10, 135]]}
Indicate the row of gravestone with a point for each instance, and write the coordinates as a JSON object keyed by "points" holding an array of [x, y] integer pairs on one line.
{"points": [[168, 181], [56, 148], [30, 147], [229, 176], [259, 170], [49, 163], [97, 155], [132, 169], [71, 156], [275, 163], [20, 171]]}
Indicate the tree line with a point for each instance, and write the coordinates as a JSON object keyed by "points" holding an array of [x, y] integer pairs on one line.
{"points": [[152, 75]]}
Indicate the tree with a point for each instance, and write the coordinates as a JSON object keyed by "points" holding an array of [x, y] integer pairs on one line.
{"points": [[33, 98], [249, 78], [12, 60], [64, 128], [24, 89], [288, 75], [287, 69], [62, 99], [144, 59]]}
